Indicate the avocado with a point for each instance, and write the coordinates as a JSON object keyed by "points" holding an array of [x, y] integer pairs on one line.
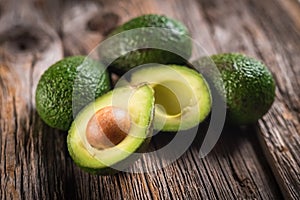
{"points": [[138, 102], [66, 87], [142, 33], [249, 87], [182, 96]]}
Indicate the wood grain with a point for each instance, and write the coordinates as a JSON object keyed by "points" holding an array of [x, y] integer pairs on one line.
{"points": [[35, 163], [271, 38], [27, 49], [279, 130]]}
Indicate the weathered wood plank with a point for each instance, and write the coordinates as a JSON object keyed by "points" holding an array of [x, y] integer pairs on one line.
{"points": [[27, 48], [274, 38], [279, 130], [34, 160]]}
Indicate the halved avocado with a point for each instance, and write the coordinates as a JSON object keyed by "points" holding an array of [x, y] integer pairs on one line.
{"points": [[139, 104], [182, 96]]}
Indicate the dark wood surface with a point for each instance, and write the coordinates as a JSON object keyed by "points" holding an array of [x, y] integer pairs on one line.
{"points": [[257, 162]]}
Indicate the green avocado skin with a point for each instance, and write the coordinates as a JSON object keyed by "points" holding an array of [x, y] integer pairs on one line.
{"points": [[56, 99], [113, 169], [177, 38], [249, 85]]}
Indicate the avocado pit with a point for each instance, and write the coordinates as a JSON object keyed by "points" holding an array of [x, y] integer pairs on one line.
{"points": [[107, 127]]}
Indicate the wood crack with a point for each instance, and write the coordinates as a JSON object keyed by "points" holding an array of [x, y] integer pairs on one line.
{"points": [[200, 174]]}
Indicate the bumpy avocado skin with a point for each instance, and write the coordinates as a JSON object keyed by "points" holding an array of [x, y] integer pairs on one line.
{"points": [[249, 86], [179, 40], [56, 99]]}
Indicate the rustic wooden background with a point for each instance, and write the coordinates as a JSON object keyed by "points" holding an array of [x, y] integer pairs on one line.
{"points": [[261, 162]]}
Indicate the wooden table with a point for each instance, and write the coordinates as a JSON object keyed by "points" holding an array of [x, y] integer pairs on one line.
{"points": [[261, 161]]}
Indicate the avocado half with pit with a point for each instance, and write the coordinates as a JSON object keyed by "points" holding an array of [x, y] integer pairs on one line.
{"points": [[182, 96], [138, 104]]}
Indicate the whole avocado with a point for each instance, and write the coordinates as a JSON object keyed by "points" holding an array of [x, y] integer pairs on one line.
{"points": [[66, 87], [249, 87], [165, 32]]}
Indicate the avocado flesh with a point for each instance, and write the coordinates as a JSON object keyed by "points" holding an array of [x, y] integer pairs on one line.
{"points": [[140, 108], [182, 96], [169, 33], [249, 86]]}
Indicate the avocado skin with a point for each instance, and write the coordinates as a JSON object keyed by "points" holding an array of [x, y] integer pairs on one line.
{"points": [[55, 95], [178, 38], [113, 169], [249, 87]]}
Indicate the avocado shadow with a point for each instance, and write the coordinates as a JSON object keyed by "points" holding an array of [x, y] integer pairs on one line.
{"points": [[230, 138]]}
